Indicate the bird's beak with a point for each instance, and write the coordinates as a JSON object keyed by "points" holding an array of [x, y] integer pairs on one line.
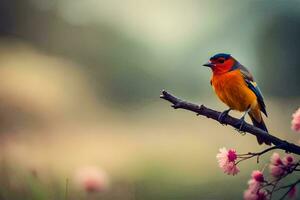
{"points": [[209, 64]]}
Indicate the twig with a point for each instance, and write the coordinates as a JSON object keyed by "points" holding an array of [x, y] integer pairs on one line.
{"points": [[234, 122], [290, 185], [290, 189], [258, 154]]}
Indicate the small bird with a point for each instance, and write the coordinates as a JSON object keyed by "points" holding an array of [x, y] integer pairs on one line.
{"points": [[235, 86]]}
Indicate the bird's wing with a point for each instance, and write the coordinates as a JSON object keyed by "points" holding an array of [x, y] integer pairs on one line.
{"points": [[252, 85]]}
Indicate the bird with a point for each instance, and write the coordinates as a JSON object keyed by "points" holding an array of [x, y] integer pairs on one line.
{"points": [[235, 86]]}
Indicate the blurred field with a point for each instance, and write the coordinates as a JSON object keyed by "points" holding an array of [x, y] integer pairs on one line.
{"points": [[80, 84]]}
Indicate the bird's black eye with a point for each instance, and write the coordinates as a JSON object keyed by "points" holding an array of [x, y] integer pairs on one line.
{"points": [[221, 60]]}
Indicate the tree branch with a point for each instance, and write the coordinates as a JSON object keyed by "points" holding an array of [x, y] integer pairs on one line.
{"points": [[234, 122], [251, 155]]}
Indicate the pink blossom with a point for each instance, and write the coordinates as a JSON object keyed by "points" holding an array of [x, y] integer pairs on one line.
{"points": [[296, 121], [254, 185], [276, 170], [255, 195], [278, 167], [293, 192], [258, 176], [91, 179], [254, 191], [288, 160], [275, 159], [226, 159]]}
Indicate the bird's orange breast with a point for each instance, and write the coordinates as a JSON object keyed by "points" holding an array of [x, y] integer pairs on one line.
{"points": [[231, 88]]}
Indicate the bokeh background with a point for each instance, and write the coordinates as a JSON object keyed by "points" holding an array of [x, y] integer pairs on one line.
{"points": [[80, 83]]}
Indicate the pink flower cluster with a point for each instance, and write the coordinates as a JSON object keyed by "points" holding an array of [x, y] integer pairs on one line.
{"points": [[279, 167], [226, 159], [254, 191], [296, 121]]}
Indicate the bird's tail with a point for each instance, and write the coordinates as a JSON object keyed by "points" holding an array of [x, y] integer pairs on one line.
{"points": [[258, 122]]}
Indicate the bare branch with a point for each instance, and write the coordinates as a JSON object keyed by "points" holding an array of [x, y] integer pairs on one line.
{"points": [[234, 122], [257, 155]]}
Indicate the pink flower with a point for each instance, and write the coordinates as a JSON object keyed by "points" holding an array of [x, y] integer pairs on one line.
{"points": [[91, 179], [254, 191], [293, 192], [288, 160], [276, 171], [258, 176], [254, 185], [278, 167], [296, 121], [226, 159], [275, 159], [255, 195]]}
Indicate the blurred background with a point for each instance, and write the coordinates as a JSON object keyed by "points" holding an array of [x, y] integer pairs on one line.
{"points": [[79, 95]]}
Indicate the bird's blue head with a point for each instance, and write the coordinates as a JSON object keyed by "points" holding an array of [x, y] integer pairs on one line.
{"points": [[224, 56]]}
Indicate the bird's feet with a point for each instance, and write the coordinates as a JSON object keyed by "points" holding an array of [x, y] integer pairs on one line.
{"points": [[241, 124], [222, 116]]}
